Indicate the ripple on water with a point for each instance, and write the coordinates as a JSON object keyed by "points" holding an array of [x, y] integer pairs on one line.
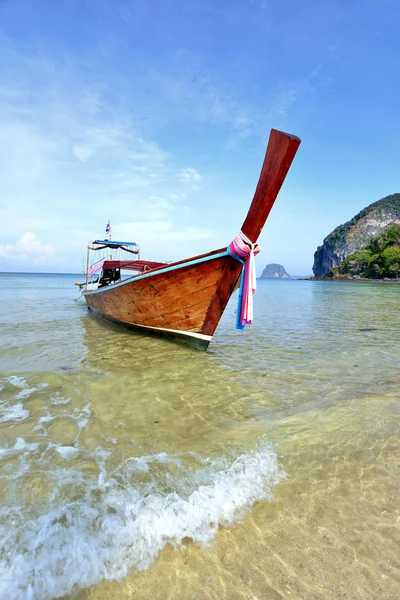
{"points": [[144, 443]]}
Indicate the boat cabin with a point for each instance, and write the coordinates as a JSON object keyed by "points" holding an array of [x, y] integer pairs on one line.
{"points": [[107, 260]]}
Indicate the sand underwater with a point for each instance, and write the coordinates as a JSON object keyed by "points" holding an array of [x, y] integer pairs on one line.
{"points": [[268, 467]]}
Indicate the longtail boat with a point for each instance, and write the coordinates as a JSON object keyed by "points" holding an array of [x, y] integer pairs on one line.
{"points": [[185, 300]]}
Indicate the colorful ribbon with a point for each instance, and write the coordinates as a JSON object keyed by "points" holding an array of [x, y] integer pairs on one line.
{"points": [[244, 250], [96, 268]]}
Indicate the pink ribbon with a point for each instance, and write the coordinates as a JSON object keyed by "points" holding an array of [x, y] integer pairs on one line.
{"points": [[246, 250], [95, 268]]}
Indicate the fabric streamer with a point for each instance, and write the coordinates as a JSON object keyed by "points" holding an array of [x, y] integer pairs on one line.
{"points": [[96, 268], [244, 250]]}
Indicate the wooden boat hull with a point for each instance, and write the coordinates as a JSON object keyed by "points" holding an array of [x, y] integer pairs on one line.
{"points": [[183, 301]]}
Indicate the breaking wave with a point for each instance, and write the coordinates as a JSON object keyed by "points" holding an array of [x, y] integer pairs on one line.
{"points": [[73, 515], [125, 518]]}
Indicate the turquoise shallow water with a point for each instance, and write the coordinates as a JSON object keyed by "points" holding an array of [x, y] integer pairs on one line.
{"points": [[265, 468]]}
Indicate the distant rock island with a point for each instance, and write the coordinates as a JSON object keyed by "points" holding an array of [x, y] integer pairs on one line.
{"points": [[355, 234], [274, 271]]}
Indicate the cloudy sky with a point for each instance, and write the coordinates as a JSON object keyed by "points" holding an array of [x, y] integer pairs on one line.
{"points": [[155, 114]]}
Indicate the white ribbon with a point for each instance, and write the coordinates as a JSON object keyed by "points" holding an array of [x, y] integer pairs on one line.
{"points": [[252, 283]]}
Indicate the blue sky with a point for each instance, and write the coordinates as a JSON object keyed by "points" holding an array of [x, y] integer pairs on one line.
{"points": [[156, 115]]}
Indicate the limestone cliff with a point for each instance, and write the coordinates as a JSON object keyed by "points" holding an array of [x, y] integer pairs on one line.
{"points": [[356, 233], [274, 271]]}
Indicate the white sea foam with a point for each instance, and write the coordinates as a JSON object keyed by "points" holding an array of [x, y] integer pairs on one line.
{"points": [[25, 393], [13, 412], [67, 452], [46, 419], [16, 412], [17, 381], [20, 446], [120, 525], [42, 422], [57, 399], [21, 383], [82, 416]]}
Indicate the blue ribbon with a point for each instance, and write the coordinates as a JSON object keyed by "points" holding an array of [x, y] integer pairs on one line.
{"points": [[239, 306]]}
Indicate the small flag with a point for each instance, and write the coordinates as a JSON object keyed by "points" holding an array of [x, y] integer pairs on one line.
{"points": [[108, 227]]}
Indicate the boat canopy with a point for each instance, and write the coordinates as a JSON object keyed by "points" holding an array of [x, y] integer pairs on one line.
{"points": [[112, 243], [117, 249], [119, 255]]}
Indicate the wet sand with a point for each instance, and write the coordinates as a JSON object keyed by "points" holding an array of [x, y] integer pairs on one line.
{"points": [[332, 530]]}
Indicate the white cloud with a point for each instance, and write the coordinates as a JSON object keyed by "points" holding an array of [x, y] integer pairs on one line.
{"points": [[77, 153], [111, 138], [189, 176], [180, 197], [28, 248], [160, 231], [82, 152]]}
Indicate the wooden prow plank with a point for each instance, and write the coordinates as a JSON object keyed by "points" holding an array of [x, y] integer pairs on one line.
{"points": [[280, 153]]}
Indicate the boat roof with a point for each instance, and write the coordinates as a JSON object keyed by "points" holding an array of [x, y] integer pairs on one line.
{"points": [[114, 243]]}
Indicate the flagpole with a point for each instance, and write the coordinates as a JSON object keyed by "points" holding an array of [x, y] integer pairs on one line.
{"points": [[108, 230], [87, 266]]}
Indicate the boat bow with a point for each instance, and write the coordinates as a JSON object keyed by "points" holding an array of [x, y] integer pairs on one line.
{"points": [[185, 299]]}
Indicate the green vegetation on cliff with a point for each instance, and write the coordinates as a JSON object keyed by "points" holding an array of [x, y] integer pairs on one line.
{"points": [[380, 258], [352, 236], [379, 208]]}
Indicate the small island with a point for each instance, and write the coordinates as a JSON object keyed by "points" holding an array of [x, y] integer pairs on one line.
{"points": [[274, 271]]}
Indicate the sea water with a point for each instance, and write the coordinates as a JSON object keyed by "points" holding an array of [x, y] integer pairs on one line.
{"points": [[133, 467]]}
